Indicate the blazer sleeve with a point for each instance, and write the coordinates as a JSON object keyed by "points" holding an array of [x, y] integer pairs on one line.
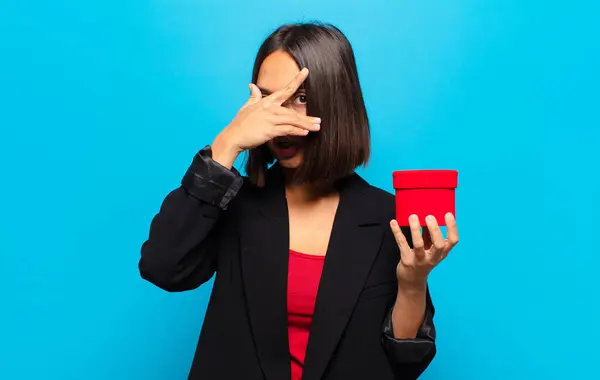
{"points": [[181, 250], [410, 357]]}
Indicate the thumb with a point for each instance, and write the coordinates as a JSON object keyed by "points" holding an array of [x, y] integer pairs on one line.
{"points": [[255, 94]]}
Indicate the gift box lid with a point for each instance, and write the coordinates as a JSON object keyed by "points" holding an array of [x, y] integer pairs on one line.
{"points": [[425, 179]]}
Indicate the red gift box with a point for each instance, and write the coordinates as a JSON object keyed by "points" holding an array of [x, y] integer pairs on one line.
{"points": [[425, 192]]}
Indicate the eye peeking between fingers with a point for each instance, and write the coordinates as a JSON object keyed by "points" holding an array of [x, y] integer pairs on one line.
{"points": [[299, 99]]}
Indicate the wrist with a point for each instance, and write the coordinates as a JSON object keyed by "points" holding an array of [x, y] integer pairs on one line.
{"points": [[412, 289], [224, 151], [409, 311]]}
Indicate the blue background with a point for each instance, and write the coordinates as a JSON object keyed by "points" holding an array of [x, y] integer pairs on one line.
{"points": [[104, 103]]}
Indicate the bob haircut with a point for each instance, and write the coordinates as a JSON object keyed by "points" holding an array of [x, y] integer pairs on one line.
{"points": [[333, 93]]}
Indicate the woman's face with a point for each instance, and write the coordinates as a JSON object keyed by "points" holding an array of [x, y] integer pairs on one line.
{"points": [[276, 71]]}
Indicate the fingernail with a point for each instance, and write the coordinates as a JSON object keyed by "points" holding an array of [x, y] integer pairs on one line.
{"points": [[304, 70], [413, 218], [450, 216], [318, 126], [430, 218], [394, 223], [316, 119]]}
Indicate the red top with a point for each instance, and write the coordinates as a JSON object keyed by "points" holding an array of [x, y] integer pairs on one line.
{"points": [[304, 274]]}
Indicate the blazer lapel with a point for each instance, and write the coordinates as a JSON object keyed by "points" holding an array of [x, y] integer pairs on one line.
{"points": [[355, 241], [264, 242]]}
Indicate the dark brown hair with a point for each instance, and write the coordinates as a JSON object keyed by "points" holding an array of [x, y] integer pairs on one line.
{"points": [[333, 94]]}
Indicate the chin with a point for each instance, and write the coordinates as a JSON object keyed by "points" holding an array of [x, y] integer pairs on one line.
{"points": [[290, 163]]}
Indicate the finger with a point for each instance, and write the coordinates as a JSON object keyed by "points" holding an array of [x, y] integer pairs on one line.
{"points": [[284, 94], [452, 235], [437, 238], [451, 229], [445, 251], [289, 130], [255, 94], [400, 238], [415, 232], [279, 110], [297, 120]]}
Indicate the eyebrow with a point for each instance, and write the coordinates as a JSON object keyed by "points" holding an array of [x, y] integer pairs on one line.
{"points": [[266, 92]]}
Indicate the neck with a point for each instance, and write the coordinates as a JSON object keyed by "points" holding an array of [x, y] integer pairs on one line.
{"points": [[297, 192], [307, 193]]}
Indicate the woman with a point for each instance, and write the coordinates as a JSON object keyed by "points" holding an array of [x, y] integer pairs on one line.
{"points": [[314, 279]]}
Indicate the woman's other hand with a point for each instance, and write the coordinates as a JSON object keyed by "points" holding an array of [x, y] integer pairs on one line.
{"points": [[429, 249]]}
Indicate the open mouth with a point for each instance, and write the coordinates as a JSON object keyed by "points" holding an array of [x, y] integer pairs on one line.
{"points": [[284, 144], [285, 148]]}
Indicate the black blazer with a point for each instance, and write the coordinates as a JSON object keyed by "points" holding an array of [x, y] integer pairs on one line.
{"points": [[218, 222]]}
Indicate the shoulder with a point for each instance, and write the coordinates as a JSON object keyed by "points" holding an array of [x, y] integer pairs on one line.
{"points": [[377, 194], [380, 195], [372, 199], [383, 200]]}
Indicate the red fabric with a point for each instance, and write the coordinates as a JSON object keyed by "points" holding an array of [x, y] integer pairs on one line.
{"points": [[304, 275]]}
